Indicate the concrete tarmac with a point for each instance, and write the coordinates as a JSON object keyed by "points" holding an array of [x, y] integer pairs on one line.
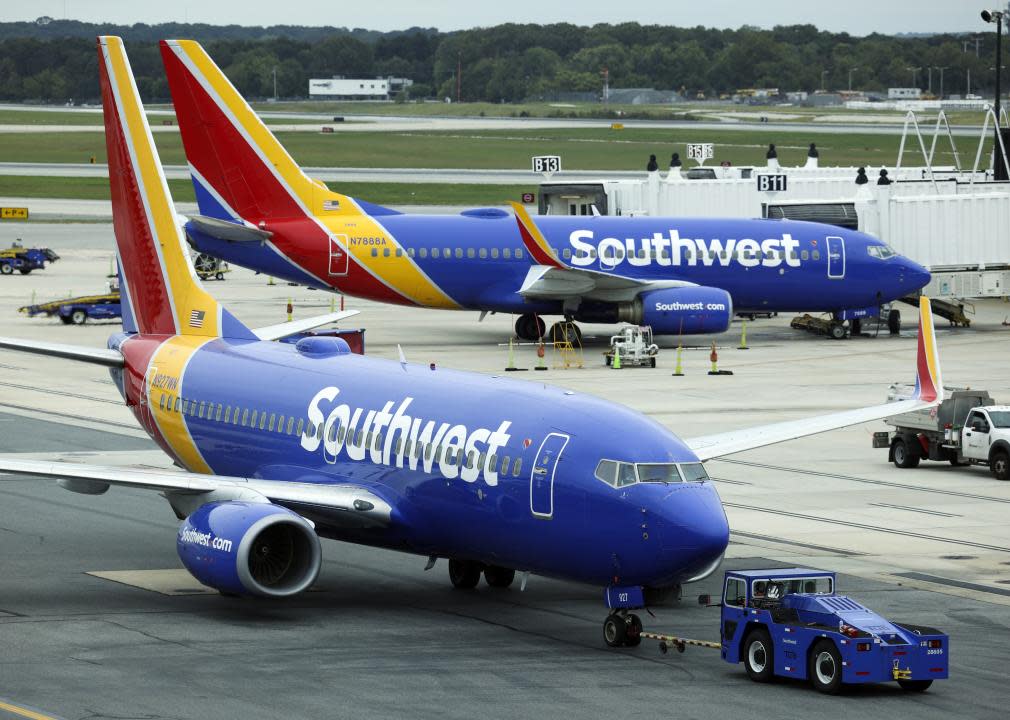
{"points": [[381, 638]]}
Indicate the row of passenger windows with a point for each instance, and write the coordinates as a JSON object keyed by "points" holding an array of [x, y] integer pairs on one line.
{"points": [[622, 474], [447, 253], [288, 425], [611, 253]]}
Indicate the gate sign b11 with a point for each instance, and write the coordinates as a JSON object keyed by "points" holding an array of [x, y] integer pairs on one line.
{"points": [[700, 152], [547, 164], [771, 183]]}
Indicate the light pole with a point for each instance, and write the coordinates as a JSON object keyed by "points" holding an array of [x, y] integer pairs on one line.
{"points": [[851, 70], [824, 75], [999, 167], [941, 69], [915, 72]]}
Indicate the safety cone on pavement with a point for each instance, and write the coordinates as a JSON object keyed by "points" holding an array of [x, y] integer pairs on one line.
{"points": [[678, 371], [511, 367], [291, 310], [541, 352], [271, 281], [617, 358], [743, 336], [714, 357]]}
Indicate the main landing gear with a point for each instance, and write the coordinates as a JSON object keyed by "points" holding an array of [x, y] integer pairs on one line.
{"points": [[531, 328], [465, 574]]}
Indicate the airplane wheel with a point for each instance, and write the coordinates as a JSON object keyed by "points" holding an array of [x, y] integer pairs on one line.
{"points": [[894, 322], [915, 685], [530, 327], [499, 577], [78, 317], [759, 656], [633, 631], [903, 456], [464, 574], [566, 332], [825, 670], [615, 631]]}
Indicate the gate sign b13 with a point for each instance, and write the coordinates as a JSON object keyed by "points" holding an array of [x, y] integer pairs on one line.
{"points": [[771, 183], [547, 164], [700, 152]]}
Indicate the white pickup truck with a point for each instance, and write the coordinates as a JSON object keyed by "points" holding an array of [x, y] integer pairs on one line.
{"points": [[967, 428]]}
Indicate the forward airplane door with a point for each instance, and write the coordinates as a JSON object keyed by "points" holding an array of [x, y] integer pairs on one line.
{"points": [[836, 257], [542, 476]]}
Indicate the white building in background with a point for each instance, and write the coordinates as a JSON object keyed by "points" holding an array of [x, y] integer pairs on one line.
{"points": [[340, 88], [904, 93]]}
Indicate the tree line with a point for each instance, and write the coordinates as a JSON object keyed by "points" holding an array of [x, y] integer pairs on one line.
{"points": [[56, 61]]}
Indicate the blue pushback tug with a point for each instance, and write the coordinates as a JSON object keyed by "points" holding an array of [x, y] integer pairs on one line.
{"points": [[791, 623]]}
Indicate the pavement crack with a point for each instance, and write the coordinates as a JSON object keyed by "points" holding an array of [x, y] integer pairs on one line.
{"points": [[146, 634]]}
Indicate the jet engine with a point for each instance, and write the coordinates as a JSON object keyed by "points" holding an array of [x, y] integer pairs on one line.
{"points": [[245, 548], [686, 310], [689, 310]]}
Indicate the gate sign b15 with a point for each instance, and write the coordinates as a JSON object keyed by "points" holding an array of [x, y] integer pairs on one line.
{"points": [[700, 152], [547, 164], [771, 183]]}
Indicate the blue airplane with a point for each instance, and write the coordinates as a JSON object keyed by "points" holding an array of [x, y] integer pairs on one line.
{"points": [[680, 276], [282, 444]]}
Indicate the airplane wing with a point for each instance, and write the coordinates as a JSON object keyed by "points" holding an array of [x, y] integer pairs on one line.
{"points": [[356, 505], [928, 392], [280, 330], [553, 279]]}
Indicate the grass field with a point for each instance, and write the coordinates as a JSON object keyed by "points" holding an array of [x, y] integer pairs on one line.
{"points": [[182, 191], [579, 148]]}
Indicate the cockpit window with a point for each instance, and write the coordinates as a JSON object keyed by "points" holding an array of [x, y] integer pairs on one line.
{"points": [[881, 252], [621, 474], [658, 472], [694, 472]]}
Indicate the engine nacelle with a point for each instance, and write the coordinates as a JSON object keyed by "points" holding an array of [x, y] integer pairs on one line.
{"points": [[250, 549], [688, 310]]}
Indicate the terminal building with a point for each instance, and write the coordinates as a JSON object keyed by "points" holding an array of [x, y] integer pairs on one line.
{"points": [[341, 88]]}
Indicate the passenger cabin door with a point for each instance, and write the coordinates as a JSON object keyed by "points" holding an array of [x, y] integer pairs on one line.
{"points": [[542, 475], [836, 257], [338, 255]]}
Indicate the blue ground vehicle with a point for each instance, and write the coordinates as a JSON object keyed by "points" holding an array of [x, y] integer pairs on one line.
{"points": [[78, 310], [24, 260], [791, 623]]}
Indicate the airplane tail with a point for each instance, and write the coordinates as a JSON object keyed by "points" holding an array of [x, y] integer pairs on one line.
{"points": [[162, 295], [240, 172], [928, 376]]}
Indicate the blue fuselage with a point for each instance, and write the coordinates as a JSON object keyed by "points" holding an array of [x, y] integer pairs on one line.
{"points": [[394, 430]]}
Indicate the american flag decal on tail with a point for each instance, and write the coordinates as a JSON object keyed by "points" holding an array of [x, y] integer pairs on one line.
{"points": [[196, 318], [331, 204]]}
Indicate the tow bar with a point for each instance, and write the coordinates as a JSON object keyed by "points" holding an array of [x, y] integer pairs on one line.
{"points": [[678, 643]]}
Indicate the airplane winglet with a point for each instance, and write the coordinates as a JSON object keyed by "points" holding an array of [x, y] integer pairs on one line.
{"points": [[928, 376], [533, 239]]}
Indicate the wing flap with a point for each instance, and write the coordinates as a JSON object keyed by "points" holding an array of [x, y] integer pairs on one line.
{"points": [[275, 332]]}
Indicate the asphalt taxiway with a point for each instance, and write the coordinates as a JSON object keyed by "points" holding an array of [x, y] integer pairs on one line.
{"points": [[379, 637]]}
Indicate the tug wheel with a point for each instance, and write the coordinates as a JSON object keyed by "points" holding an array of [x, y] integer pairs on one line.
{"points": [[615, 631], [78, 317], [6, 269], [915, 685], [759, 656], [464, 574], [25, 270], [825, 670]]}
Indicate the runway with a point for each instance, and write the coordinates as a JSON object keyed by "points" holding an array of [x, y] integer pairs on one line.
{"points": [[382, 638]]}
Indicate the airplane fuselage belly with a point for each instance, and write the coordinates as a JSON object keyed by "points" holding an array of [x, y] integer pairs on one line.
{"points": [[450, 509], [466, 262]]}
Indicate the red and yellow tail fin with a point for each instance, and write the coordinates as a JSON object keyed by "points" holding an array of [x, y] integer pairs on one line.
{"points": [[928, 377], [534, 240], [160, 284], [240, 171]]}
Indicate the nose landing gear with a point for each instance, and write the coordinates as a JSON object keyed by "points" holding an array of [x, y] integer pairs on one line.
{"points": [[622, 629]]}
